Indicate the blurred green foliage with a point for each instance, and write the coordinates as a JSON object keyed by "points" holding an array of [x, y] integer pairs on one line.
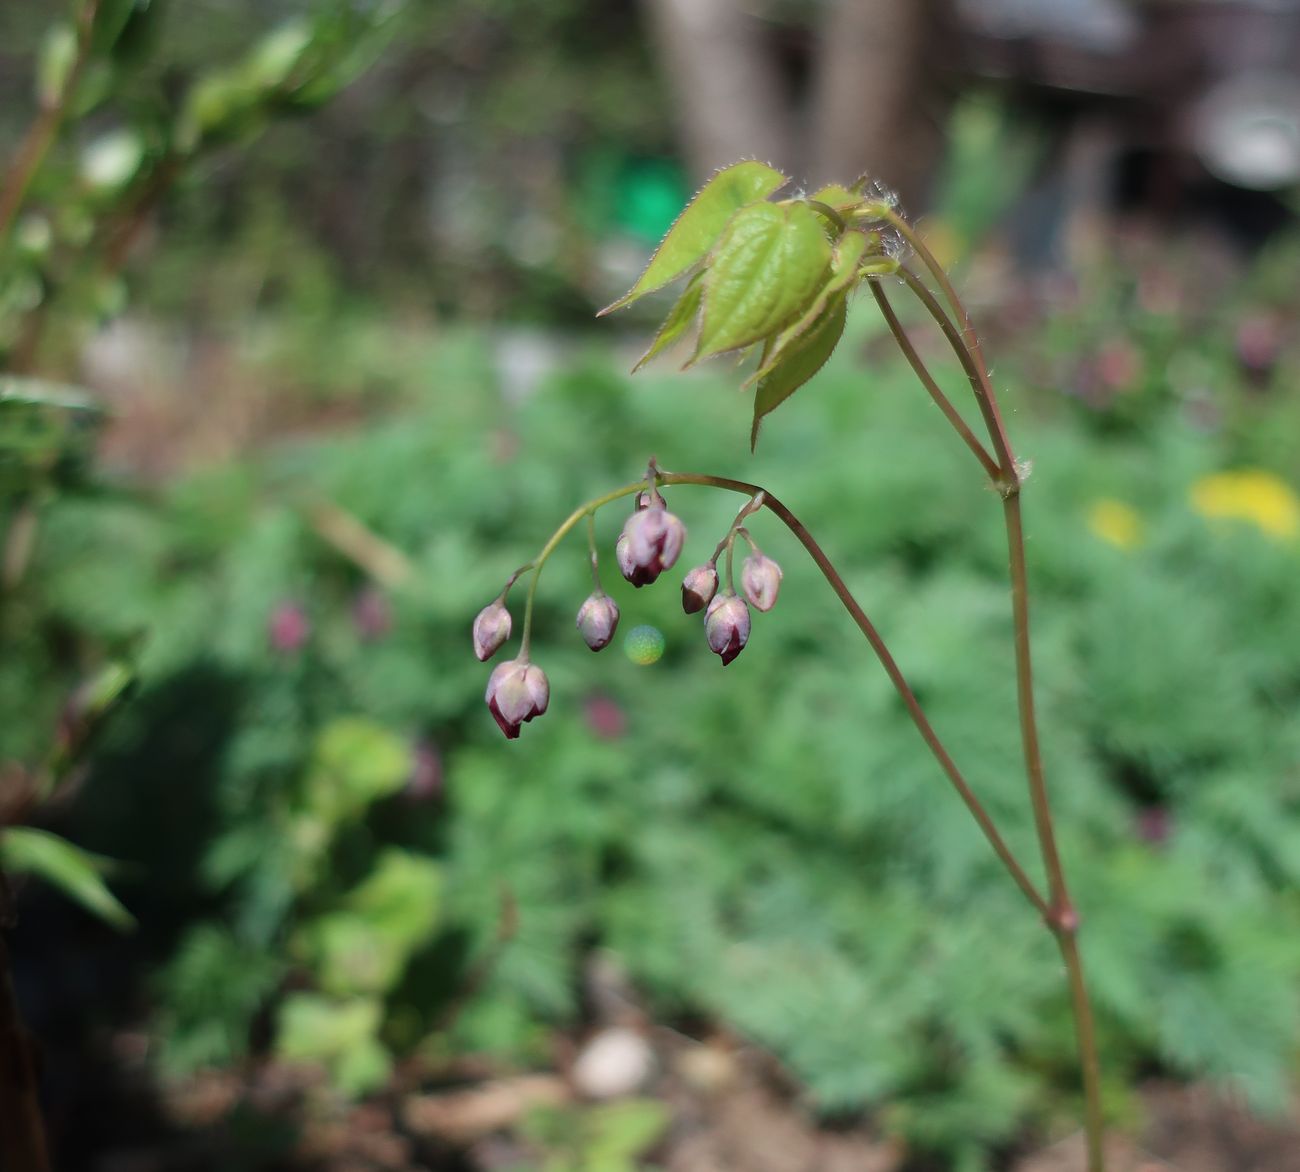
{"points": [[327, 824]]}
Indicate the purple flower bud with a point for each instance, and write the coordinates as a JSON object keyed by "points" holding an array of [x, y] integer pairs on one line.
{"points": [[289, 628], [761, 579], [598, 620], [627, 567], [650, 543], [372, 613], [491, 629], [726, 625], [516, 692], [699, 587]]}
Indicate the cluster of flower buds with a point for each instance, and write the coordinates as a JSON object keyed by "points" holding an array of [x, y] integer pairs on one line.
{"points": [[727, 618], [651, 541]]}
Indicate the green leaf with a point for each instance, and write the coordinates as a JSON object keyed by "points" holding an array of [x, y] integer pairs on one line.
{"points": [[700, 225], [619, 1132], [836, 196], [75, 872], [768, 267], [339, 1034], [802, 359], [677, 322], [356, 762], [844, 272]]}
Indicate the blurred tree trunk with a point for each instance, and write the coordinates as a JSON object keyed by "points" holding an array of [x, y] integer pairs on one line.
{"points": [[730, 98], [871, 95], [869, 106]]}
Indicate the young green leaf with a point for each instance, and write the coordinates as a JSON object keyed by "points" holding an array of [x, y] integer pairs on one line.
{"points": [[835, 195], [802, 359], [769, 265], [844, 272], [677, 322], [75, 872], [697, 229]]}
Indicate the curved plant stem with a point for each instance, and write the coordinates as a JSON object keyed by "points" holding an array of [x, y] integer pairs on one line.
{"points": [[970, 339], [539, 561], [45, 128], [940, 399], [892, 670], [1007, 475]]}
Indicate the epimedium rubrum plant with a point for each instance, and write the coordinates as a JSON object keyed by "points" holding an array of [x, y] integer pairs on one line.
{"points": [[773, 277]]}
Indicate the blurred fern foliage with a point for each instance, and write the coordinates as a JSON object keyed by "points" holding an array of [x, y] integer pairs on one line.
{"points": [[326, 825]]}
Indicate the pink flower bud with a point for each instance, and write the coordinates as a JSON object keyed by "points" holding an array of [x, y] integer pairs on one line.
{"points": [[598, 620], [761, 579], [650, 543], [516, 692], [726, 625], [289, 628], [491, 629], [699, 587]]}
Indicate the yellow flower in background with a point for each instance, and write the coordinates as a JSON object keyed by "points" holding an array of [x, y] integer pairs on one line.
{"points": [[1259, 497], [1115, 522]]}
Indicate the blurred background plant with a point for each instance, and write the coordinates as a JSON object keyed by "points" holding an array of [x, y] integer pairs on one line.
{"points": [[284, 399]]}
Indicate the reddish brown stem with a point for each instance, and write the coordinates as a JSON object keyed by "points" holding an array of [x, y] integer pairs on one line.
{"points": [[892, 670], [45, 127]]}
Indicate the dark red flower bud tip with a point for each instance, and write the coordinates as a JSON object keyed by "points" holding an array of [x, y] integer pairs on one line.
{"points": [[516, 692], [726, 626], [699, 587], [650, 543]]}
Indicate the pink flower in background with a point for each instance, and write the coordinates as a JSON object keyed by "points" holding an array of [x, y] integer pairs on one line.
{"points": [[288, 628]]}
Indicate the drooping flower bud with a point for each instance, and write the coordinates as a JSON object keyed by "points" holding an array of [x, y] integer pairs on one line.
{"points": [[699, 587], [761, 579], [726, 625], [650, 543], [598, 620], [491, 629], [516, 692]]}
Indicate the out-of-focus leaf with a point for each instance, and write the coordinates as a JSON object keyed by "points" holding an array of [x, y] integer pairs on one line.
{"points": [[54, 63], [769, 265], [77, 873], [364, 947], [356, 762], [113, 20], [340, 1034], [621, 1131], [802, 359], [700, 225]]}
